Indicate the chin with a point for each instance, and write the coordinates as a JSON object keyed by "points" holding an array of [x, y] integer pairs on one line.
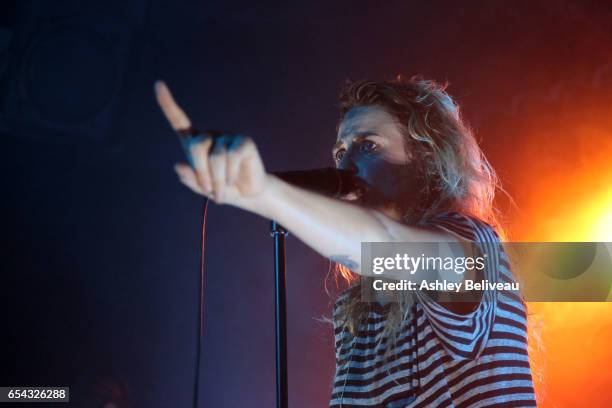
{"points": [[353, 197]]}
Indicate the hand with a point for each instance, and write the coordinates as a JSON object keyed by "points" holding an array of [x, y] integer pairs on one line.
{"points": [[228, 168]]}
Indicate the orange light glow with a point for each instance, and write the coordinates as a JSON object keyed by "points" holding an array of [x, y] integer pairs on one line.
{"points": [[601, 217], [570, 201]]}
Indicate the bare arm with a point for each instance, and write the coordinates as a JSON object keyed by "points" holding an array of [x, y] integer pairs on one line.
{"points": [[332, 227], [231, 172]]}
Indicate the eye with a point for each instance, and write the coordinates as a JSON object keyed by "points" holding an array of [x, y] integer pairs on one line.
{"points": [[339, 154], [369, 146]]}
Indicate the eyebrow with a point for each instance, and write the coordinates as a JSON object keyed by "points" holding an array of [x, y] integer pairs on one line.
{"points": [[358, 135]]}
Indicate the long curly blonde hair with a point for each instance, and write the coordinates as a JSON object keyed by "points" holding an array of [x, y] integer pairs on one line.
{"points": [[457, 175]]}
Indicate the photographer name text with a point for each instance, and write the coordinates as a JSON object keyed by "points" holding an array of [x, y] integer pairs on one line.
{"points": [[444, 286]]}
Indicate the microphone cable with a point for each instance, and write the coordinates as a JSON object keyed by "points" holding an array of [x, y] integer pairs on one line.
{"points": [[200, 325]]}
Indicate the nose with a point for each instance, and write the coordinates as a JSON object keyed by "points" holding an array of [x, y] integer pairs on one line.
{"points": [[348, 163]]}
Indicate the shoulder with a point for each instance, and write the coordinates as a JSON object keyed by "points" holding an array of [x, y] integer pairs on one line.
{"points": [[464, 225], [346, 295]]}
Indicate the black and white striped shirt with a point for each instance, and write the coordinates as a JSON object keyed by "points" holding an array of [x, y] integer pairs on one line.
{"points": [[441, 358]]}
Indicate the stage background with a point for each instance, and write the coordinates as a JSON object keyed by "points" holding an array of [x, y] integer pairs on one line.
{"points": [[100, 241]]}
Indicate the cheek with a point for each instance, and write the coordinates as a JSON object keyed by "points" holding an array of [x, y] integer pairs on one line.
{"points": [[389, 181], [378, 173]]}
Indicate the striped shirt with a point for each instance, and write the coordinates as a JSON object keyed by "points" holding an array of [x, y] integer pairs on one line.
{"points": [[441, 358]]}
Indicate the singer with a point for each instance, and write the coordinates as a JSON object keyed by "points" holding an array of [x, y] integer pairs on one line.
{"points": [[423, 179]]}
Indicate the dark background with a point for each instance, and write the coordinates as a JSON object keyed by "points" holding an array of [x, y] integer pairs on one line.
{"points": [[100, 241]]}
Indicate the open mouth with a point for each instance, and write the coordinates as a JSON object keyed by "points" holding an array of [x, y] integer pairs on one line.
{"points": [[359, 191]]}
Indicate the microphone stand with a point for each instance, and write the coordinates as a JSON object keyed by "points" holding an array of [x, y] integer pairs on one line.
{"points": [[329, 181], [278, 234]]}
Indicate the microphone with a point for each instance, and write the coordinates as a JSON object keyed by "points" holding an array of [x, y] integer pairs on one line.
{"points": [[329, 180]]}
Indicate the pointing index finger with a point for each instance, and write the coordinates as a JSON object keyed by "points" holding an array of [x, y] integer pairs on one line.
{"points": [[175, 115]]}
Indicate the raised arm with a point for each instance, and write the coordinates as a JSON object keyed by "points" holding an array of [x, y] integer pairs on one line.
{"points": [[230, 171], [333, 227]]}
